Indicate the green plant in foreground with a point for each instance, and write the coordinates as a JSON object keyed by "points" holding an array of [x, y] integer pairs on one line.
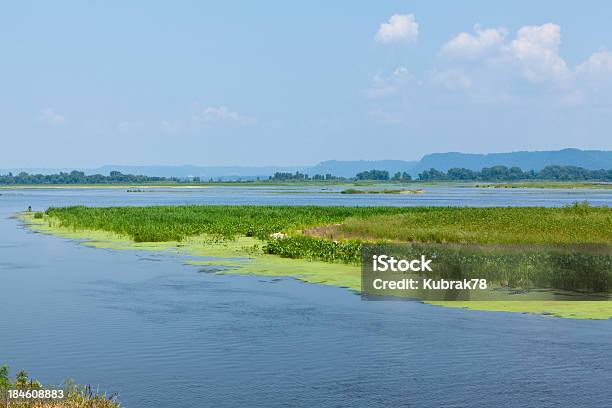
{"points": [[4, 378], [75, 396]]}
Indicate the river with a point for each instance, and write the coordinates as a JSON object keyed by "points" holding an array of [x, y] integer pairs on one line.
{"points": [[161, 334]]}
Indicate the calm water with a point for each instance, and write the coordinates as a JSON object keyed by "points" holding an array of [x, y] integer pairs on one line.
{"points": [[163, 335]]}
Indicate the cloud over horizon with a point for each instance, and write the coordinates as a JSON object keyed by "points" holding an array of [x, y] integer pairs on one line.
{"points": [[400, 27], [533, 52], [492, 65], [473, 45]]}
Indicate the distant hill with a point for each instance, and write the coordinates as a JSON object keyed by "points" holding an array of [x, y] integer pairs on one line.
{"points": [[589, 159], [350, 168]]}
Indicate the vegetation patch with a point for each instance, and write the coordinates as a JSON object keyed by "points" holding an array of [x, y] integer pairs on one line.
{"points": [[175, 223], [548, 184], [579, 223], [382, 191]]}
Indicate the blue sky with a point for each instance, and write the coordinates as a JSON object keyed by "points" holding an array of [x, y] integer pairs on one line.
{"points": [[289, 83]]}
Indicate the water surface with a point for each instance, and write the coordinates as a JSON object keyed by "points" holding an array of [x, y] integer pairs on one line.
{"points": [[164, 335]]}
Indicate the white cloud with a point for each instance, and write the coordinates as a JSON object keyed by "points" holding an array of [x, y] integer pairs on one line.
{"points": [[383, 86], [598, 66], [470, 45], [401, 27], [537, 48], [492, 65], [533, 53], [49, 116]]}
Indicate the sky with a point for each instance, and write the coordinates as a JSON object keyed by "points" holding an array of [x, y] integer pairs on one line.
{"points": [[89, 83]]}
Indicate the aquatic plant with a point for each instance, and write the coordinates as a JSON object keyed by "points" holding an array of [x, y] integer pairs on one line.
{"points": [[314, 249]]}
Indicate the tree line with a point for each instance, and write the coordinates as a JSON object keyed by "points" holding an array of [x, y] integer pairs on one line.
{"points": [[503, 173], [78, 177], [364, 175], [279, 176], [495, 173], [382, 175]]}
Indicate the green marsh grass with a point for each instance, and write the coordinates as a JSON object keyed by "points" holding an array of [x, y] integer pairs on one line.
{"points": [[575, 224], [175, 223]]}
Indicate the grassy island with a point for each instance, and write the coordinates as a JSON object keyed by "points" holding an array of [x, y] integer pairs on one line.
{"points": [[549, 184], [321, 244], [382, 191]]}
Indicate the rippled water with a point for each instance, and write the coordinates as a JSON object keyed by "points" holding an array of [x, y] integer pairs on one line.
{"points": [[163, 335]]}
